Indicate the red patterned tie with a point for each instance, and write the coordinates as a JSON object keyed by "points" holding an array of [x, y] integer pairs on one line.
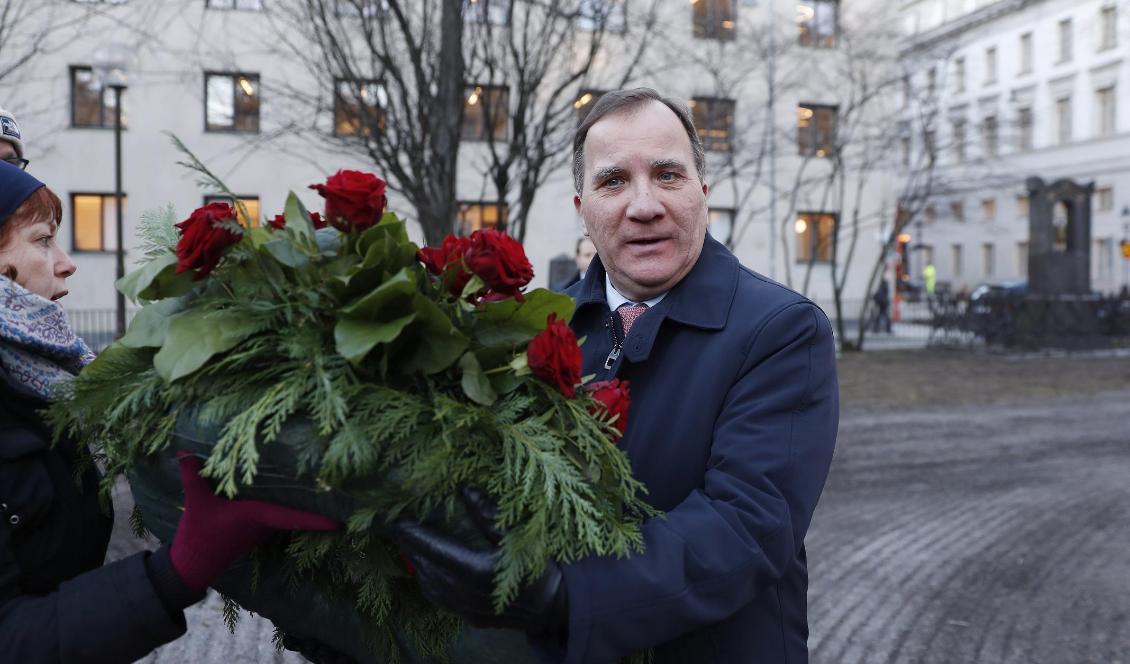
{"points": [[629, 313]]}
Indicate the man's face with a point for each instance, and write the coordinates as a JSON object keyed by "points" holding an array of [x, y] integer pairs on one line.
{"points": [[585, 251], [643, 203], [7, 150]]}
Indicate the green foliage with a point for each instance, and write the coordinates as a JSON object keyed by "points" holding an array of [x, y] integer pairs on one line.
{"points": [[385, 390]]}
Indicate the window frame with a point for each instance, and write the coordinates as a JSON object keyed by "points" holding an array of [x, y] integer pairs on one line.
{"points": [[813, 148], [710, 26], [105, 122], [487, 126], [808, 38], [813, 245], [234, 75], [462, 228], [715, 106], [362, 128], [102, 195]]}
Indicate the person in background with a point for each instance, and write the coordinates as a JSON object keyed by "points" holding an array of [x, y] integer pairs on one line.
{"points": [[583, 254], [58, 602], [882, 301], [11, 141], [732, 424]]}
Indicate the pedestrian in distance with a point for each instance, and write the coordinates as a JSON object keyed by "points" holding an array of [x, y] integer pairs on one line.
{"points": [[882, 300], [732, 424], [58, 602]]}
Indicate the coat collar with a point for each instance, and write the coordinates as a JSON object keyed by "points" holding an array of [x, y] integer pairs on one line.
{"points": [[702, 299]]}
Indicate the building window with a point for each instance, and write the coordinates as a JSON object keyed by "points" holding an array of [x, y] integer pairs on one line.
{"points": [[1024, 133], [1022, 206], [1063, 120], [250, 5], [361, 8], [931, 215], [1065, 46], [990, 65], [486, 113], [930, 144], [1059, 224], [606, 15], [249, 202], [714, 19], [814, 232], [585, 103], [957, 211], [959, 75], [1105, 109], [816, 130], [91, 104], [721, 224], [359, 107], [988, 259], [1022, 259], [1104, 199], [478, 215], [818, 21], [231, 102], [904, 146], [714, 120], [958, 267], [494, 12], [989, 137], [1104, 258], [1108, 27], [1025, 53], [989, 209], [95, 222], [931, 81], [958, 130]]}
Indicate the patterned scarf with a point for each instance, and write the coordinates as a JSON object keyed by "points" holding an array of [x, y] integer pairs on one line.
{"points": [[38, 349]]}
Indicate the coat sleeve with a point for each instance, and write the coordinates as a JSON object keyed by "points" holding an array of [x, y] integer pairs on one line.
{"points": [[737, 534], [107, 615]]}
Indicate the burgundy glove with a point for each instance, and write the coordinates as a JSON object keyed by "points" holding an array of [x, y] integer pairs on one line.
{"points": [[215, 532]]}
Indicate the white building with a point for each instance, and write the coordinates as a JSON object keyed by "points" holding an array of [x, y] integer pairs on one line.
{"points": [[1012, 89], [201, 73]]}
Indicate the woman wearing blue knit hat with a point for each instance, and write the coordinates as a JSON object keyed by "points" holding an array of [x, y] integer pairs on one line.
{"points": [[58, 603]]}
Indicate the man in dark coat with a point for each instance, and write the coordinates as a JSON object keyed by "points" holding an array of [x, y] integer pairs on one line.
{"points": [[732, 423]]}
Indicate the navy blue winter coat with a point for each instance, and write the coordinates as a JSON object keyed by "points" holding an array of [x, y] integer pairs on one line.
{"points": [[732, 425]]}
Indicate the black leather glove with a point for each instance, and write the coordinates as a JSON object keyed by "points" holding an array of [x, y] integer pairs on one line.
{"points": [[459, 578], [316, 651]]}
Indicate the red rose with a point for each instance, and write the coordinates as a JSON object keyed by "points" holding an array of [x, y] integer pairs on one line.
{"points": [[499, 261], [203, 241], [614, 399], [279, 221], [446, 262], [354, 200], [555, 357]]}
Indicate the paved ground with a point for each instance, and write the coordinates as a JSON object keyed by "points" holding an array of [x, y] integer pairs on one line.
{"points": [[978, 511]]}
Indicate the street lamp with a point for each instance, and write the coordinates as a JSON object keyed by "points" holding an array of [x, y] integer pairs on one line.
{"points": [[111, 62]]}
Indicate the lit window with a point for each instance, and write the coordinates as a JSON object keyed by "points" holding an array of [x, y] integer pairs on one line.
{"points": [[231, 102], [714, 120], [250, 5], [495, 12], [361, 8], [814, 232], [91, 104], [585, 102], [816, 130], [249, 202], [721, 224], [475, 216], [818, 23], [606, 15], [714, 19], [95, 222], [486, 113], [359, 107]]}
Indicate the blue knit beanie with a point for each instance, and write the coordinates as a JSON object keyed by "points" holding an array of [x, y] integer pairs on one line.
{"points": [[15, 186]]}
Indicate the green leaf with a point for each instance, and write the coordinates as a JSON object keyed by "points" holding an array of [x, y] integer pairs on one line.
{"points": [[439, 342], [142, 279], [474, 285], [509, 322], [148, 327], [297, 217], [475, 383], [397, 291], [284, 251], [356, 338], [195, 336]]}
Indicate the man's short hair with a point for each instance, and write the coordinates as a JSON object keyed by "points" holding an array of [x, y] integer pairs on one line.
{"points": [[622, 100], [581, 240]]}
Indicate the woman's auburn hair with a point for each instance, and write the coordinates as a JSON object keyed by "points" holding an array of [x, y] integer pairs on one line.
{"points": [[41, 206]]}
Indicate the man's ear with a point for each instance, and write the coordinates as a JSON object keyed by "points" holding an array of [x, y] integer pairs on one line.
{"points": [[705, 189], [577, 203]]}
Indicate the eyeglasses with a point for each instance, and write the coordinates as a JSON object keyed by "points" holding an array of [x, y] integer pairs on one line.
{"points": [[18, 162]]}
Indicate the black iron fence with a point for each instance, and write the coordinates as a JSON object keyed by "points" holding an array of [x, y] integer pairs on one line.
{"points": [[97, 327]]}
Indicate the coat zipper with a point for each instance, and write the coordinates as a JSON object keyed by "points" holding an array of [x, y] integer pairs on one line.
{"points": [[614, 355]]}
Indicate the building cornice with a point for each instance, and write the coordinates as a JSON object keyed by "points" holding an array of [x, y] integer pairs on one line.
{"points": [[924, 41]]}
